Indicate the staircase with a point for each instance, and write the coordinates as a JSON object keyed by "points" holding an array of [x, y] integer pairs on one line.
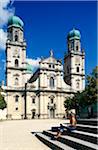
{"points": [[83, 138]]}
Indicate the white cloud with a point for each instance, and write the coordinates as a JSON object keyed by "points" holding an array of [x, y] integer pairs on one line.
{"points": [[5, 13], [33, 62], [3, 37]]}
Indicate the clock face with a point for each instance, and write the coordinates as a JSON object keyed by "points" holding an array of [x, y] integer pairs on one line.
{"points": [[77, 60], [16, 52]]}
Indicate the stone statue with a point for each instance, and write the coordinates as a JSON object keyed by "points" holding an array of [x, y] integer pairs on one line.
{"points": [[51, 53]]}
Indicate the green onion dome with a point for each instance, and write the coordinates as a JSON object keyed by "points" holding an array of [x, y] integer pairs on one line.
{"points": [[74, 34], [29, 68], [15, 21]]}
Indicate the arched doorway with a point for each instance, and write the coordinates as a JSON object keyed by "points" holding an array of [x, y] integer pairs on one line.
{"points": [[51, 106], [52, 113], [33, 113]]}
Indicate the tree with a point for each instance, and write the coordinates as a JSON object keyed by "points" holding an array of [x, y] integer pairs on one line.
{"points": [[2, 101], [90, 93], [68, 103]]}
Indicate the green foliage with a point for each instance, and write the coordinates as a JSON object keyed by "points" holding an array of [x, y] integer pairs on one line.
{"points": [[86, 97], [68, 103], [91, 88], [2, 101]]}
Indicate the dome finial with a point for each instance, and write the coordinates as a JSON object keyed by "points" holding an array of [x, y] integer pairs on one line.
{"points": [[73, 28]]}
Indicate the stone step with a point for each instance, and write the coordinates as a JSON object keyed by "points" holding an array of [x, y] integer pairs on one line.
{"points": [[73, 142], [90, 137], [93, 122], [53, 144], [87, 128], [80, 127]]}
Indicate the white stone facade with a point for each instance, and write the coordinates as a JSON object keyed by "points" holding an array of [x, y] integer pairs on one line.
{"points": [[42, 94]]}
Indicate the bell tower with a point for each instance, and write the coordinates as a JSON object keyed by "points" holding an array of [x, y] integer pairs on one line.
{"points": [[74, 62], [15, 53], [15, 67]]}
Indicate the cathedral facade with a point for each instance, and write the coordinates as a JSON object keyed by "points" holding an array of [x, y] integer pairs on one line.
{"points": [[41, 94]]}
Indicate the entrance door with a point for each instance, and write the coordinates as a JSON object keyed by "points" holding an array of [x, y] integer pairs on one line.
{"points": [[33, 114], [52, 113]]}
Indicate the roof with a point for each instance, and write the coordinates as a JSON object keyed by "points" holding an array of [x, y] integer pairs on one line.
{"points": [[15, 21], [74, 34]]}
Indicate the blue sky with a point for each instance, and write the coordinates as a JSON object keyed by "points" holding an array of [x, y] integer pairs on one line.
{"points": [[48, 23]]}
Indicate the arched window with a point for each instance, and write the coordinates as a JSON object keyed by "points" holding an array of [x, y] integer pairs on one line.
{"points": [[51, 82], [16, 98], [16, 38], [77, 85], [77, 69], [51, 100], [16, 81], [33, 100], [49, 66], [53, 66], [77, 47], [72, 45], [16, 63]]}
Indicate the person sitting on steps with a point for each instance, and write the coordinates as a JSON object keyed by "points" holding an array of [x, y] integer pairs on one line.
{"points": [[70, 128], [73, 122]]}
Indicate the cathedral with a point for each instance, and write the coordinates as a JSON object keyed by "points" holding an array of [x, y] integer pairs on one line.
{"points": [[41, 94]]}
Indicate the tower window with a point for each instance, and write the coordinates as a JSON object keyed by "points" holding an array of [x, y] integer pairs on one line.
{"points": [[49, 66], [77, 85], [16, 108], [33, 100], [72, 45], [77, 69], [16, 98], [52, 101], [16, 38], [77, 48], [16, 81], [51, 82], [53, 66], [16, 63]]}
